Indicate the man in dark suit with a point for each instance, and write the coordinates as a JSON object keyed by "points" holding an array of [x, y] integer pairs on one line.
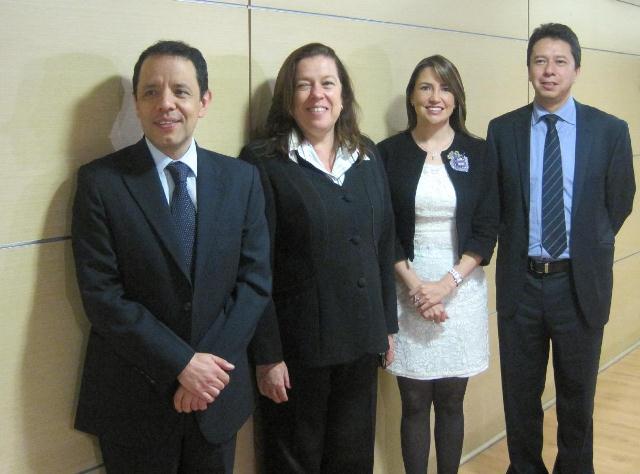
{"points": [[566, 182], [172, 257]]}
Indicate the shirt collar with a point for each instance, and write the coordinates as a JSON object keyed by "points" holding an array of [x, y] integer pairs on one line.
{"points": [[190, 158], [567, 112], [305, 150]]}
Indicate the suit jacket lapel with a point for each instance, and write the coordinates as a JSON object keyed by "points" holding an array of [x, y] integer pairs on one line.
{"points": [[141, 178], [295, 180], [522, 132], [212, 193], [584, 135]]}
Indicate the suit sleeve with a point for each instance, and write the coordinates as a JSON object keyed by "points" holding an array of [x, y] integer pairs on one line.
{"points": [[266, 346], [127, 326], [252, 291], [484, 222], [493, 164], [621, 184]]}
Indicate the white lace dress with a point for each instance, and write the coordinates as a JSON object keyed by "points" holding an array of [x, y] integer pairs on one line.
{"points": [[459, 347]]}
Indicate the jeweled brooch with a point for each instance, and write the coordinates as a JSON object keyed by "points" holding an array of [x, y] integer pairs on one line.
{"points": [[458, 161]]}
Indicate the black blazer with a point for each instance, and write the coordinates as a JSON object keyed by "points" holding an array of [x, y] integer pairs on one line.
{"points": [[299, 326], [476, 193], [603, 191], [148, 316]]}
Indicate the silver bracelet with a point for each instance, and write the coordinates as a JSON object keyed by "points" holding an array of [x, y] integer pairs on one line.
{"points": [[457, 278]]}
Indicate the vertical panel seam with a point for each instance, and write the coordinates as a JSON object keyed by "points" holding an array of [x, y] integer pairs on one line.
{"points": [[250, 68], [529, 98]]}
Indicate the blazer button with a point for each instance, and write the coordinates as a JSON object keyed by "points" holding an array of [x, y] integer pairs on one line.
{"points": [[187, 307], [347, 198], [355, 240], [362, 282]]}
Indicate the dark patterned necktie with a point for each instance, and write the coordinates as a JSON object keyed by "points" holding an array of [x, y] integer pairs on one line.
{"points": [[554, 231], [182, 210]]}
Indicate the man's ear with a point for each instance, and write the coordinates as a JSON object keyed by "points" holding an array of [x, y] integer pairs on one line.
{"points": [[205, 101]]}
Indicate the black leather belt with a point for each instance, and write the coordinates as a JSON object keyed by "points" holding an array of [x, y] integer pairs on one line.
{"points": [[542, 267]]}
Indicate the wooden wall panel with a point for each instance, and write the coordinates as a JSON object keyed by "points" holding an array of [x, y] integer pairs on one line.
{"points": [[611, 82], [494, 17], [41, 344], [608, 25], [69, 99], [380, 59], [623, 330]]}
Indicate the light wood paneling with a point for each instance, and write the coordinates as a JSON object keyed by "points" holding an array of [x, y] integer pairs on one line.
{"points": [[508, 17], [388, 457], [483, 401], [628, 239], [41, 346], [245, 455], [623, 329], [380, 59], [601, 24], [611, 82], [67, 93]]}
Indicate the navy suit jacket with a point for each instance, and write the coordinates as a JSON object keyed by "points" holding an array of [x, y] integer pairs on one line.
{"points": [[148, 315], [603, 191]]}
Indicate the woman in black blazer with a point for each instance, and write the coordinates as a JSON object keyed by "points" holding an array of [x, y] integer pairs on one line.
{"points": [[445, 206], [334, 306]]}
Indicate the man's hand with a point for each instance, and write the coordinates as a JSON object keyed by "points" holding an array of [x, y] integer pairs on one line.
{"points": [[186, 402], [205, 376], [273, 381]]}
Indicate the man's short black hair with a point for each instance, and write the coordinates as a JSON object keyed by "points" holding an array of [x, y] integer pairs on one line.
{"points": [[555, 31], [174, 48]]}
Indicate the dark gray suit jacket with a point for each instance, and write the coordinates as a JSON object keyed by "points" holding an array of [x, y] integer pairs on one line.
{"points": [[148, 315], [603, 191]]}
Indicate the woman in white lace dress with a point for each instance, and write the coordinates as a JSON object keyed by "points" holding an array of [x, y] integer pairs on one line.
{"points": [[446, 209]]}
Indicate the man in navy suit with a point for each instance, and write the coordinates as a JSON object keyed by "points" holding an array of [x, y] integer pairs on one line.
{"points": [[172, 258], [566, 182]]}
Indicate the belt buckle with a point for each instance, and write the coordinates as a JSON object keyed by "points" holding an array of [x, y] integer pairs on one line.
{"points": [[546, 268]]}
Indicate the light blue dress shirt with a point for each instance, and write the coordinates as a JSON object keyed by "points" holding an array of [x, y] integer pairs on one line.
{"points": [[190, 158], [566, 128]]}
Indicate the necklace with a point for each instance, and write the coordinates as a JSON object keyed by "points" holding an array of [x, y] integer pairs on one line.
{"points": [[434, 151]]}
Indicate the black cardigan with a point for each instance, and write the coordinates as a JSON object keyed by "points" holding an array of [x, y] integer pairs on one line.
{"points": [[477, 210], [301, 325]]}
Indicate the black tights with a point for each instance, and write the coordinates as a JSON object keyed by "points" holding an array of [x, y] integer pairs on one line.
{"points": [[417, 396]]}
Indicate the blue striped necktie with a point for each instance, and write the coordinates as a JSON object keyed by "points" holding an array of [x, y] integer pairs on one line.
{"points": [[183, 211], [554, 231]]}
